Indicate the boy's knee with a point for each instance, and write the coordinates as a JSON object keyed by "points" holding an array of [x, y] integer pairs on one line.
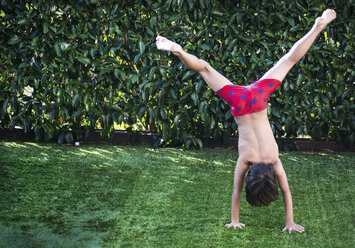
{"points": [[205, 66], [290, 59]]}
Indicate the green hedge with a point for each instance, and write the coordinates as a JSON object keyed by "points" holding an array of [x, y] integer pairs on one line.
{"points": [[79, 65]]}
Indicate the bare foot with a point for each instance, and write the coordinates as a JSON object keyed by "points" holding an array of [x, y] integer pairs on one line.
{"points": [[167, 45], [327, 16]]}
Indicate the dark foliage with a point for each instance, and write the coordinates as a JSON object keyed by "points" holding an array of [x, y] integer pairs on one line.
{"points": [[79, 65]]}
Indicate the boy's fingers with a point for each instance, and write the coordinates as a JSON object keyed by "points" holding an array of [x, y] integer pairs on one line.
{"points": [[240, 225]]}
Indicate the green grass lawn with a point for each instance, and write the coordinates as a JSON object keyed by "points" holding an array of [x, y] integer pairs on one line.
{"points": [[116, 196]]}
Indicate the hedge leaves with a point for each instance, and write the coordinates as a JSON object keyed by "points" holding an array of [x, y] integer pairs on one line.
{"points": [[80, 65]]}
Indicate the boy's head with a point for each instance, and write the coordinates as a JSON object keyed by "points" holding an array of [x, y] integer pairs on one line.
{"points": [[260, 185]]}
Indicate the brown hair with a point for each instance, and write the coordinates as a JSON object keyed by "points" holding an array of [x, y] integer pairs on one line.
{"points": [[260, 185]]}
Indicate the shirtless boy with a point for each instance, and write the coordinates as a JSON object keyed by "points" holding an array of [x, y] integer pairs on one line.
{"points": [[257, 146]]}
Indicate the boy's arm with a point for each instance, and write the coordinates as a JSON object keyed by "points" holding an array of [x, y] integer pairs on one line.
{"points": [[239, 173], [281, 177]]}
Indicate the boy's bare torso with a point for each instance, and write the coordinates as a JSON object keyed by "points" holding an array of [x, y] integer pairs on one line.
{"points": [[256, 140]]}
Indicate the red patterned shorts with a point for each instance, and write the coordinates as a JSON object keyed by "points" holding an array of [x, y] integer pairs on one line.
{"points": [[248, 99]]}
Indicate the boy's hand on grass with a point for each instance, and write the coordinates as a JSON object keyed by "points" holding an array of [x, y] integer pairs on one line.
{"points": [[291, 226], [235, 225]]}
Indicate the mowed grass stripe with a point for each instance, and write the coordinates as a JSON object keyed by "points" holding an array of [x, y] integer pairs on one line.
{"points": [[178, 199], [73, 192]]}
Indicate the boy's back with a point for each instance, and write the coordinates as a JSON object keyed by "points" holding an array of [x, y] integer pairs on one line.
{"points": [[256, 141]]}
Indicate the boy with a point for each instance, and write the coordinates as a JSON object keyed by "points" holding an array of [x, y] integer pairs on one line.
{"points": [[256, 145]]}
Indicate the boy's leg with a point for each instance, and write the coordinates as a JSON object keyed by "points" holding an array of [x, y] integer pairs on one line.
{"points": [[213, 78], [299, 49]]}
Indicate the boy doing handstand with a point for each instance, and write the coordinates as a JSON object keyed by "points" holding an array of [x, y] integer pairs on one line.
{"points": [[256, 143]]}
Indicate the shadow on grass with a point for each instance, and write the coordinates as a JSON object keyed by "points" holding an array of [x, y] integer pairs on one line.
{"points": [[42, 236]]}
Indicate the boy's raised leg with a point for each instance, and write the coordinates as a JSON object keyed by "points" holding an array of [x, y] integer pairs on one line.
{"points": [[214, 79], [300, 48]]}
